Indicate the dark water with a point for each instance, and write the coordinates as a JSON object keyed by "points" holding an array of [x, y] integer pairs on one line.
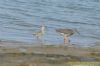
{"points": [[19, 18]]}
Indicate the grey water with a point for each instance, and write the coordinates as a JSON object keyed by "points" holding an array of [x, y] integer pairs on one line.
{"points": [[20, 18]]}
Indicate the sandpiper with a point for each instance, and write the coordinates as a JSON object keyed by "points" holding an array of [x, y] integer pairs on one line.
{"points": [[39, 34], [66, 33]]}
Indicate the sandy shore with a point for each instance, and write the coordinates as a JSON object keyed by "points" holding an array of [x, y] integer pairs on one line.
{"points": [[14, 53]]}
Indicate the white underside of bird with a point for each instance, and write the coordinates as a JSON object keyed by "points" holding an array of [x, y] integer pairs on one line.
{"points": [[40, 33], [62, 34]]}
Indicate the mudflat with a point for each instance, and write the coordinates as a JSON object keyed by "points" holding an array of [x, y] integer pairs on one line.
{"points": [[14, 53]]}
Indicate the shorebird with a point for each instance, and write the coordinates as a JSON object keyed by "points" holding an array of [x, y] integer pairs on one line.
{"points": [[39, 34], [66, 33]]}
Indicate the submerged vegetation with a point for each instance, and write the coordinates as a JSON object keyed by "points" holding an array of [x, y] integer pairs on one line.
{"points": [[97, 44], [93, 54], [46, 55]]}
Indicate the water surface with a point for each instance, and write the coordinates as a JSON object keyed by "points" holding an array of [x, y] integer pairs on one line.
{"points": [[20, 18]]}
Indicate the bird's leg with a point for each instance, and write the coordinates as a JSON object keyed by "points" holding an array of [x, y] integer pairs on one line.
{"points": [[66, 39], [37, 38], [40, 39]]}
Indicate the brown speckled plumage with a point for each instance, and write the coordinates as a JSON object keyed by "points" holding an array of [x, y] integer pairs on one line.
{"points": [[68, 32]]}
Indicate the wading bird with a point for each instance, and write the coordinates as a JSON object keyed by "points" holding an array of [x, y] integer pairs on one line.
{"points": [[39, 34], [66, 33]]}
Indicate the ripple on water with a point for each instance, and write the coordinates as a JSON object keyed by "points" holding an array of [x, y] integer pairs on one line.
{"points": [[20, 18]]}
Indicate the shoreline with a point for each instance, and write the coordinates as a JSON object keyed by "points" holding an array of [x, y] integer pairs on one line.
{"points": [[18, 45], [52, 55]]}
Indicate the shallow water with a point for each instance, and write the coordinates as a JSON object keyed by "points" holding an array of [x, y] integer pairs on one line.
{"points": [[20, 18]]}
